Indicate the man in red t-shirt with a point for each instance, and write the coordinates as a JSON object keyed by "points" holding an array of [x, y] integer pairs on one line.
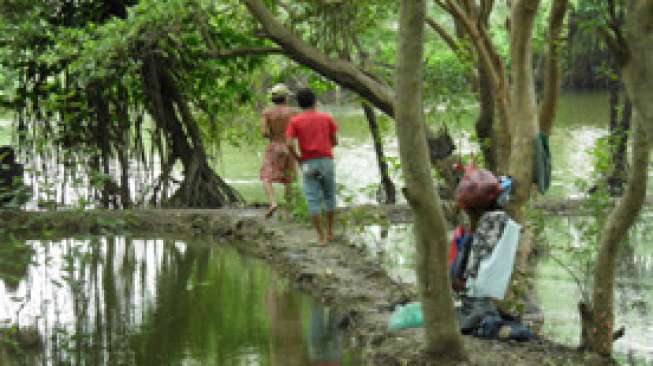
{"points": [[316, 134]]}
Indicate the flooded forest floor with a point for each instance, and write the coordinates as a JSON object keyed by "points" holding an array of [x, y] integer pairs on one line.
{"points": [[340, 275]]}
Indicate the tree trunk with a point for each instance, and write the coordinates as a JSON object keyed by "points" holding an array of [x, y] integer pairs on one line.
{"points": [[598, 318], [386, 182], [523, 110], [618, 139], [103, 138], [485, 121], [552, 69], [638, 71], [122, 107], [201, 187], [442, 336]]}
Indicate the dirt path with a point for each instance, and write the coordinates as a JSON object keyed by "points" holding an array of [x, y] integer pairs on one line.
{"points": [[341, 274]]}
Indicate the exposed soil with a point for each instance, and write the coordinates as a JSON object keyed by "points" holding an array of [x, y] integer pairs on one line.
{"points": [[341, 274]]}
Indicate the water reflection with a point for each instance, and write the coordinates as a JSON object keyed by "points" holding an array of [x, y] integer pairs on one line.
{"points": [[121, 301], [290, 344], [325, 339]]}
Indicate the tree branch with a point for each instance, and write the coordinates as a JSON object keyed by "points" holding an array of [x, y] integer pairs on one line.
{"points": [[240, 52], [477, 39], [342, 72], [616, 43], [442, 4], [446, 37], [486, 10]]}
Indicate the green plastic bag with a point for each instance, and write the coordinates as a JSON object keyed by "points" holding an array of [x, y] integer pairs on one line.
{"points": [[542, 163], [406, 316]]}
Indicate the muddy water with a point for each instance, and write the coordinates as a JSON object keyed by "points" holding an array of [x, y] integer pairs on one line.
{"points": [[122, 301]]}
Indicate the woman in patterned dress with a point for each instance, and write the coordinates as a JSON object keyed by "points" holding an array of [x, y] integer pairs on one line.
{"points": [[279, 165]]}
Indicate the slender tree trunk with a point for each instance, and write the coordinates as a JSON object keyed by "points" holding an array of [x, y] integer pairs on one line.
{"points": [[123, 151], [523, 111], [638, 71], [637, 58], [485, 121], [386, 182], [552, 69], [620, 116], [598, 317], [442, 335], [102, 136]]}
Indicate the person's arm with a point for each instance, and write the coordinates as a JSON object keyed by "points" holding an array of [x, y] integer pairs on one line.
{"points": [[265, 127], [291, 138], [332, 130], [334, 139], [292, 147]]}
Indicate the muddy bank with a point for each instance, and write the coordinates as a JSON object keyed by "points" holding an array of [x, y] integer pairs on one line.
{"points": [[341, 275]]}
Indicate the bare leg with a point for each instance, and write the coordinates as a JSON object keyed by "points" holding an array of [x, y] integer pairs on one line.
{"points": [[271, 200], [287, 190], [286, 194], [316, 219], [330, 225]]}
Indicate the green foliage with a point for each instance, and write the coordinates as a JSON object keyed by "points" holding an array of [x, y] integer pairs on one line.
{"points": [[447, 77], [298, 207], [336, 26], [82, 71]]}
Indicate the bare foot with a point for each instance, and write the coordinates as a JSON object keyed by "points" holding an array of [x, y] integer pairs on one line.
{"points": [[270, 211], [322, 241], [330, 237]]}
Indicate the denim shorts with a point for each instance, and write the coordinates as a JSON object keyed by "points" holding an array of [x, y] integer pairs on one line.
{"points": [[319, 184]]}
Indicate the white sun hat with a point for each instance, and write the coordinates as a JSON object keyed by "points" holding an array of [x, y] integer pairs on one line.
{"points": [[279, 90]]}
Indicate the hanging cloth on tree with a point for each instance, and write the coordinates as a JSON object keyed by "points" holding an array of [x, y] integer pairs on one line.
{"points": [[542, 162]]}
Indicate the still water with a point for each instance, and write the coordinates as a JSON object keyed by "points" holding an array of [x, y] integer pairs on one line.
{"points": [[125, 301]]}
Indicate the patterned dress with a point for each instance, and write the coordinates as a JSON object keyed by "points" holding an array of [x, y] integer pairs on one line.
{"points": [[488, 232], [279, 165]]}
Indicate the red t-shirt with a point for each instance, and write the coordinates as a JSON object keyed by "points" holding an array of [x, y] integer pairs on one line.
{"points": [[313, 130]]}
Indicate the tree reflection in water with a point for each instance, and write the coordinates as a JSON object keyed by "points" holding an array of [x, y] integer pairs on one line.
{"points": [[123, 301]]}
